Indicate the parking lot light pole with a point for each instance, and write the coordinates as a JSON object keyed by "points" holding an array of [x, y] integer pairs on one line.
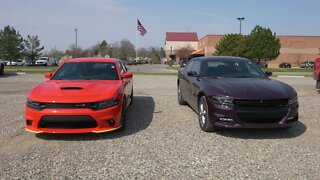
{"points": [[241, 19], [76, 45]]}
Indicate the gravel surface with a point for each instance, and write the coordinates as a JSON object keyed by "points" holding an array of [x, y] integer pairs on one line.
{"points": [[163, 141]]}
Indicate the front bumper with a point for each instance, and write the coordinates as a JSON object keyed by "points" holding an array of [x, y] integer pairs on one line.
{"points": [[35, 120], [230, 116]]}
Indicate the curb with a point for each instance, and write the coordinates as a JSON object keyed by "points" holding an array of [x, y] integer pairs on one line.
{"points": [[291, 76]]}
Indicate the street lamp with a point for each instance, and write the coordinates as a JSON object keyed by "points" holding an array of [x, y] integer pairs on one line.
{"points": [[76, 46], [111, 51], [241, 19]]}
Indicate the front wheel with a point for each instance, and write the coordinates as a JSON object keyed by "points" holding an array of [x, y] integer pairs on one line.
{"points": [[131, 97], [123, 115], [203, 114]]}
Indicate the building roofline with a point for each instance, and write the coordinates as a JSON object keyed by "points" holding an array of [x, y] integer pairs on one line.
{"points": [[276, 35]]}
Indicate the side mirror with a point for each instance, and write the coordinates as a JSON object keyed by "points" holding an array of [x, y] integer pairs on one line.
{"points": [[268, 73], [192, 74], [127, 75], [48, 75]]}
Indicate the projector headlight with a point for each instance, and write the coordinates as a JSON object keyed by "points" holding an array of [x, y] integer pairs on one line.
{"points": [[224, 100], [293, 100], [104, 104], [36, 105]]}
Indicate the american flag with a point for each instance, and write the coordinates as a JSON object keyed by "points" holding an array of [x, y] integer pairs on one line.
{"points": [[141, 29]]}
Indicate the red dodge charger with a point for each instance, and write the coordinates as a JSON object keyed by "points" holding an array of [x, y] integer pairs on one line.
{"points": [[84, 95]]}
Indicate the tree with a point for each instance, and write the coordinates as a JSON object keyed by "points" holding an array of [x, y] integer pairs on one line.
{"points": [[55, 53], [184, 52], [11, 44], [155, 55], [33, 49], [262, 44], [231, 45], [126, 49]]}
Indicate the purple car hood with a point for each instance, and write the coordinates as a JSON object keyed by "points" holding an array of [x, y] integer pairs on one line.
{"points": [[247, 88]]}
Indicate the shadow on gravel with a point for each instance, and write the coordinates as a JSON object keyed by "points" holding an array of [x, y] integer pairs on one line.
{"points": [[296, 130], [139, 117], [8, 74]]}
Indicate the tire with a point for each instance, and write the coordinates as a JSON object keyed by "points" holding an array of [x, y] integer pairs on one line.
{"points": [[181, 101], [1, 70], [131, 102], [123, 115], [204, 121], [318, 84]]}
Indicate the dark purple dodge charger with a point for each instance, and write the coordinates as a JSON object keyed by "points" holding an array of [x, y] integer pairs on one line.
{"points": [[233, 92]]}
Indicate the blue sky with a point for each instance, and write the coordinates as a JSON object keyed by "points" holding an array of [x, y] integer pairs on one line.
{"points": [[54, 21]]}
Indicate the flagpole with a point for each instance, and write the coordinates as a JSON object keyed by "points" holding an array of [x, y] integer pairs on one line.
{"points": [[136, 39]]}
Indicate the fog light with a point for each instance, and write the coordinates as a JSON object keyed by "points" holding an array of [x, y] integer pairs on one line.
{"points": [[111, 122], [29, 122], [226, 119]]}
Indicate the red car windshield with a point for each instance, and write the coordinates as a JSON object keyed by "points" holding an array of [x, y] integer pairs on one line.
{"points": [[87, 71]]}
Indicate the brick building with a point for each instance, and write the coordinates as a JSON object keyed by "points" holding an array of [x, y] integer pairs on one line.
{"points": [[176, 40], [294, 49]]}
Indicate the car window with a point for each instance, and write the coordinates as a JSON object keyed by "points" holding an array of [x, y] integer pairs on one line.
{"points": [[189, 66], [123, 67], [196, 67], [87, 71], [231, 69]]}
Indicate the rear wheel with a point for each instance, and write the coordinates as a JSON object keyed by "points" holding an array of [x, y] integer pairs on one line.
{"points": [[181, 101], [318, 84], [203, 114]]}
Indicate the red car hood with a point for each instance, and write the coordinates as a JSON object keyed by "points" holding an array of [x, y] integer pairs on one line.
{"points": [[70, 91]]}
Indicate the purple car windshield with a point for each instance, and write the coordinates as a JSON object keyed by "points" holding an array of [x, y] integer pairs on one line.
{"points": [[231, 69]]}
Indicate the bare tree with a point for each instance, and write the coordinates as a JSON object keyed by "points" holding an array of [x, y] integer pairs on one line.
{"points": [[32, 47], [184, 52], [126, 49]]}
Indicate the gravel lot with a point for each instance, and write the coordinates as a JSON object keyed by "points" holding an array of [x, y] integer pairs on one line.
{"points": [[162, 141]]}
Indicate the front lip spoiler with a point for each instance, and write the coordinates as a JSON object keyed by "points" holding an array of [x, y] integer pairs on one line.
{"points": [[113, 129], [102, 131], [36, 132]]}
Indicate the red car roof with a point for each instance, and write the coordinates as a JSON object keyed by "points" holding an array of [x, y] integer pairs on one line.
{"points": [[93, 60]]}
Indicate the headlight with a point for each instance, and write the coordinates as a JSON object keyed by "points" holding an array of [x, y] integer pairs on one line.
{"points": [[104, 104], [36, 105], [293, 100], [222, 100]]}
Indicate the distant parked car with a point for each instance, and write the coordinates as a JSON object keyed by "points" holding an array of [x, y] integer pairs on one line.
{"points": [[307, 64], [30, 63], [183, 63], [285, 65], [19, 62], [12, 63], [263, 65]]}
